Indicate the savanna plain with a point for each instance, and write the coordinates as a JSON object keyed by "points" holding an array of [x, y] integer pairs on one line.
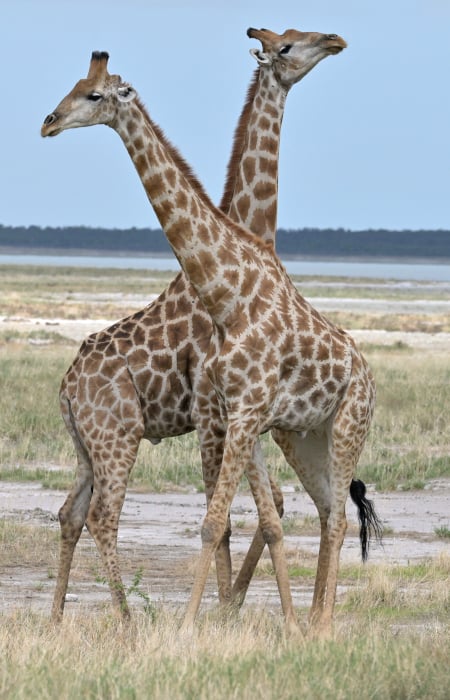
{"points": [[391, 632]]}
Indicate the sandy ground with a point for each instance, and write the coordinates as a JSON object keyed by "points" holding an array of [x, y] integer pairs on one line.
{"points": [[160, 532]]}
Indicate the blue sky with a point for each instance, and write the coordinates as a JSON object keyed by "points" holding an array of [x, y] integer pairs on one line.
{"points": [[366, 135]]}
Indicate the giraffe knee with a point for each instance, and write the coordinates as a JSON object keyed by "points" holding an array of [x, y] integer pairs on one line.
{"points": [[272, 533], [212, 532], [70, 524]]}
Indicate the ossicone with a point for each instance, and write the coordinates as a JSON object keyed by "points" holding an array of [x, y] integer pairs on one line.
{"points": [[97, 67]]}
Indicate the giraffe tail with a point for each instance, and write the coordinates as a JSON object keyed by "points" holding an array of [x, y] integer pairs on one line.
{"points": [[370, 523]]}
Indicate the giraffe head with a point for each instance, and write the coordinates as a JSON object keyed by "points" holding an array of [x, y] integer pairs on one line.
{"points": [[93, 100], [293, 54]]}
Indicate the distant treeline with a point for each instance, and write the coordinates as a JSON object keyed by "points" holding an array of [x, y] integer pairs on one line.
{"points": [[291, 243]]}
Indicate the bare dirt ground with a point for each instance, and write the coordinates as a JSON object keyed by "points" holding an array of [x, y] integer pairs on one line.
{"points": [[160, 533]]}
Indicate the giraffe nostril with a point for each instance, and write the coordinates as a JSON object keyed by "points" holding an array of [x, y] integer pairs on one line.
{"points": [[50, 118], [331, 36]]}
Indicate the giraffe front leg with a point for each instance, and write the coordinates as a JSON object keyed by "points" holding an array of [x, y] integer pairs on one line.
{"points": [[254, 553], [222, 556], [223, 566], [211, 439], [236, 456], [272, 533]]}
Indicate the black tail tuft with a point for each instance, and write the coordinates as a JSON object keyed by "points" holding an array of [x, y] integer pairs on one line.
{"points": [[369, 520]]}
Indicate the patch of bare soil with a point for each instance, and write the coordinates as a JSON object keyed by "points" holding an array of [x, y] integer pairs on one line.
{"points": [[160, 533]]}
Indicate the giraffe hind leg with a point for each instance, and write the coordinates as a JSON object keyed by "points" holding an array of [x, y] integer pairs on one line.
{"points": [[211, 440], [72, 517], [110, 484], [308, 456]]}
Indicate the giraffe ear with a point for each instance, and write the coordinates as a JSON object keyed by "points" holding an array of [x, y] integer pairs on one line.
{"points": [[126, 93], [262, 58]]}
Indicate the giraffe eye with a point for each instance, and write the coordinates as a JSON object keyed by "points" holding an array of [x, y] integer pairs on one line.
{"points": [[94, 96], [285, 49]]}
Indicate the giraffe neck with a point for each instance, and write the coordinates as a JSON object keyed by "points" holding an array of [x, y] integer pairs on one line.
{"points": [[251, 190], [204, 240]]}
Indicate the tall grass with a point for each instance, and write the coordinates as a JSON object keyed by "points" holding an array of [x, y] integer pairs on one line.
{"points": [[249, 658], [409, 443], [31, 429]]}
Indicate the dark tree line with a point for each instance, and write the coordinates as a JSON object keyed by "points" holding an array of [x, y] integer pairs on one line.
{"points": [[305, 242]]}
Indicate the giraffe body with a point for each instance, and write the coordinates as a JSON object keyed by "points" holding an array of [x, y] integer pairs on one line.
{"points": [[273, 362]]}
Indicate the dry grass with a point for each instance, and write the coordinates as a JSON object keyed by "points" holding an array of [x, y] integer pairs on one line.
{"points": [[408, 323], [22, 543], [409, 442], [414, 592], [247, 657]]}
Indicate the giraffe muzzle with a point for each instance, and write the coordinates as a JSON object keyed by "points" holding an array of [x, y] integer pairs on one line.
{"points": [[48, 128], [337, 43]]}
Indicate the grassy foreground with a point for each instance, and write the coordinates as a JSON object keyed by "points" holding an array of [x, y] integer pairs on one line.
{"points": [[247, 658]]}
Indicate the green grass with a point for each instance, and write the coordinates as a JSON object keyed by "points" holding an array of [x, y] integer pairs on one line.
{"points": [[34, 337], [76, 293], [443, 532], [405, 594], [174, 462], [364, 288]]}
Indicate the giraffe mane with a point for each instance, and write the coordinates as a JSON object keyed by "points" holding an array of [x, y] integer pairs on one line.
{"points": [[175, 154], [192, 178], [238, 145]]}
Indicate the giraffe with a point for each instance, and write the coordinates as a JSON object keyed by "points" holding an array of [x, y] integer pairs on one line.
{"points": [[146, 366], [273, 360]]}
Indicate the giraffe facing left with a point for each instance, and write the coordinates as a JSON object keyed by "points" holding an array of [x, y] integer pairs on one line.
{"points": [[137, 379]]}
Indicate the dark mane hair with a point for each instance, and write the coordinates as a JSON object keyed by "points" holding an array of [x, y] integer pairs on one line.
{"points": [[192, 178], [178, 159], [238, 145]]}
